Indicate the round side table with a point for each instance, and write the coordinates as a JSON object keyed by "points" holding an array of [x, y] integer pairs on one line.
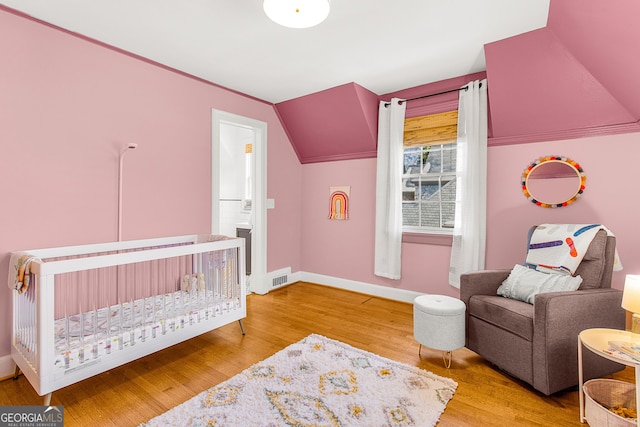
{"points": [[597, 341]]}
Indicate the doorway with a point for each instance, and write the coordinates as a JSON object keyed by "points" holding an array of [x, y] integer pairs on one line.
{"points": [[239, 182]]}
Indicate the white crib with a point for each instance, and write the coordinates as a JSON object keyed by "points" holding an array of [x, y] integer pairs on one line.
{"points": [[94, 307]]}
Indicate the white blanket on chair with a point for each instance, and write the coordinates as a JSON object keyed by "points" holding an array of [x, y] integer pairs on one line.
{"points": [[559, 248]]}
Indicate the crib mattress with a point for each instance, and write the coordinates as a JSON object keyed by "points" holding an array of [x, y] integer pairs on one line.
{"points": [[81, 338]]}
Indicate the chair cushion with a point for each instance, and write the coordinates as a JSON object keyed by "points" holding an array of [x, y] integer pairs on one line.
{"points": [[508, 314], [525, 283], [591, 269]]}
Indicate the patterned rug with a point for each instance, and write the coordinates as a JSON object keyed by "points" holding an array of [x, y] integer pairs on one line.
{"points": [[319, 382]]}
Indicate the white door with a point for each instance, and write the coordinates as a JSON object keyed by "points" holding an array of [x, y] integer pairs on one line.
{"points": [[239, 186]]}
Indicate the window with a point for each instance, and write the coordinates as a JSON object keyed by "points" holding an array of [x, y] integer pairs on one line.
{"points": [[429, 173]]}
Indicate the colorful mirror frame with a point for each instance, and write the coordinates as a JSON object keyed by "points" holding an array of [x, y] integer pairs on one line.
{"points": [[575, 166]]}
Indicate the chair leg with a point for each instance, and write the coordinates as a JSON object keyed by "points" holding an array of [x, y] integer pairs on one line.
{"points": [[47, 399], [419, 349], [241, 326]]}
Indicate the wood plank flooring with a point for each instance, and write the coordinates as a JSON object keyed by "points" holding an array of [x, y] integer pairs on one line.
{"points": [[140, 390]]}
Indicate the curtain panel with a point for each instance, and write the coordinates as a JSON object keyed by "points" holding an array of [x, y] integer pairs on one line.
{"points": [[469, 233], [388, 234]]}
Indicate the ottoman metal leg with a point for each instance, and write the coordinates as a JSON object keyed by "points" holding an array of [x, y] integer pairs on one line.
{"points": [[447, 363], [446, 356]]}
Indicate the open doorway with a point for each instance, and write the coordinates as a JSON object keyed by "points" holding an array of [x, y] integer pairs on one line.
{"points": [[239, 182]]}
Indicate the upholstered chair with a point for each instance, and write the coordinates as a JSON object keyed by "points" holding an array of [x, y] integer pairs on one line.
{"points": [[537, 343]]}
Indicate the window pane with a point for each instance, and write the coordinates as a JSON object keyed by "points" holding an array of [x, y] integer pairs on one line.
{"points": [[429, 189], [430, 214], [448, 214], [426, 152], [449, 158], [448, 192], [435, 159], [408, 189], [412, 160], [410, 214]]}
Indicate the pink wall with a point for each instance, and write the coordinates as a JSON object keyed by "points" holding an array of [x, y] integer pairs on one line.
{"points": [[67, 108], [344, 249], [609, 197]]}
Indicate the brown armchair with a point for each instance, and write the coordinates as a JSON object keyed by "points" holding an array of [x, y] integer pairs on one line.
{"points": [[538, 342]]}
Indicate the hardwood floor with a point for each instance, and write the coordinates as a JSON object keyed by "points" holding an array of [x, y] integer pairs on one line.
{"points": [[140, 390]]}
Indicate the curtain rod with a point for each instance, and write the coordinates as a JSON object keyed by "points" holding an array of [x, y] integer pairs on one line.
{"points": [[430, 95]]}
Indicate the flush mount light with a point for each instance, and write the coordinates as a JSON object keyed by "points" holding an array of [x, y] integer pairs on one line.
{"points": [[296, 13]]}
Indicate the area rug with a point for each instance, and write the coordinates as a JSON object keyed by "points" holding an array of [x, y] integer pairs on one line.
{"points": [[319, 382]]}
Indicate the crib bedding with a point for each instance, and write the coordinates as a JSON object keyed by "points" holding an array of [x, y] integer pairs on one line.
{"points": [[82, 337]]}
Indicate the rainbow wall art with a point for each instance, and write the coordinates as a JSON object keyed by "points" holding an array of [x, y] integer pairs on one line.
{"points": [[339, 202]]}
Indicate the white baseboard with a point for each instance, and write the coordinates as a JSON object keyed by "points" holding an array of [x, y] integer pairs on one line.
{"points": [[296, 277], [7, 367], [361, 287], [272, 280]]}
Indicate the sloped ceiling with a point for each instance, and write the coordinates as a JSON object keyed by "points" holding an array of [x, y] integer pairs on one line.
{"points": [[605, 38], [575, 77], [536, 86], [334, 124]]}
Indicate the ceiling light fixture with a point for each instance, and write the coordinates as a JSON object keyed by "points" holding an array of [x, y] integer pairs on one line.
{"points": [[297, 13]]}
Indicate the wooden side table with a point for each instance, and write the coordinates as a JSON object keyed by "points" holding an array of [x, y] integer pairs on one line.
{"points": [[597, 340]]}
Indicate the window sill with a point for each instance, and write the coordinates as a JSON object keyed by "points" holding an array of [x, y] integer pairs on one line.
{"points": [[428, 239]]}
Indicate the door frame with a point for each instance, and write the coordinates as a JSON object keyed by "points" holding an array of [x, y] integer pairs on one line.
{"points": [[259, 191]]}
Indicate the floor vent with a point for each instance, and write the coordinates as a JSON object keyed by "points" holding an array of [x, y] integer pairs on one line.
{"points": [[279, 281]]}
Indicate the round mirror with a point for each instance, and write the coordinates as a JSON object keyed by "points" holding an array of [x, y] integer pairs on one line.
{"points": [[553, 181]]}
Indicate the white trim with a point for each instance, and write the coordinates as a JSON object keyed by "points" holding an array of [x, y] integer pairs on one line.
{"points": [[7, 367], [258, 279], [361, 287]]}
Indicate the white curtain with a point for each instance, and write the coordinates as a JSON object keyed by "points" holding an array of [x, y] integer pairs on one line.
{"points": [[388, 238], [469, 233]]}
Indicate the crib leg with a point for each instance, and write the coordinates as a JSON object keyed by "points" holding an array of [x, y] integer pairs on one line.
{"points": [[241, 326], [16, 374], [47, 399]]}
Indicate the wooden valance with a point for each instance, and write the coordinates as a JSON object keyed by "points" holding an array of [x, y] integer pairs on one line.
{"points": [[440, 128]]}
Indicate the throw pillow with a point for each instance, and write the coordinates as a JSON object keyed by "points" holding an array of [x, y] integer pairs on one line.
{"points": [[524, 284]]}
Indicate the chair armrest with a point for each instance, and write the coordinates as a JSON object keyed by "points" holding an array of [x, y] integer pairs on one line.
{"points": [[485, 282], [558, 319], [577, 311]]}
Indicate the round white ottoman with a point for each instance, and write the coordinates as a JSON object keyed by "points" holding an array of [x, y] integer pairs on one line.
{"points": [[438, 323]]}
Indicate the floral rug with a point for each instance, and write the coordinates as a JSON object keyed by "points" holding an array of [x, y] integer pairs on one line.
{"points": [[319, 382]]}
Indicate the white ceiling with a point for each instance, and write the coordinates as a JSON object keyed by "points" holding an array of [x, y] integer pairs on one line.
{"points": [[383, 45]]}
